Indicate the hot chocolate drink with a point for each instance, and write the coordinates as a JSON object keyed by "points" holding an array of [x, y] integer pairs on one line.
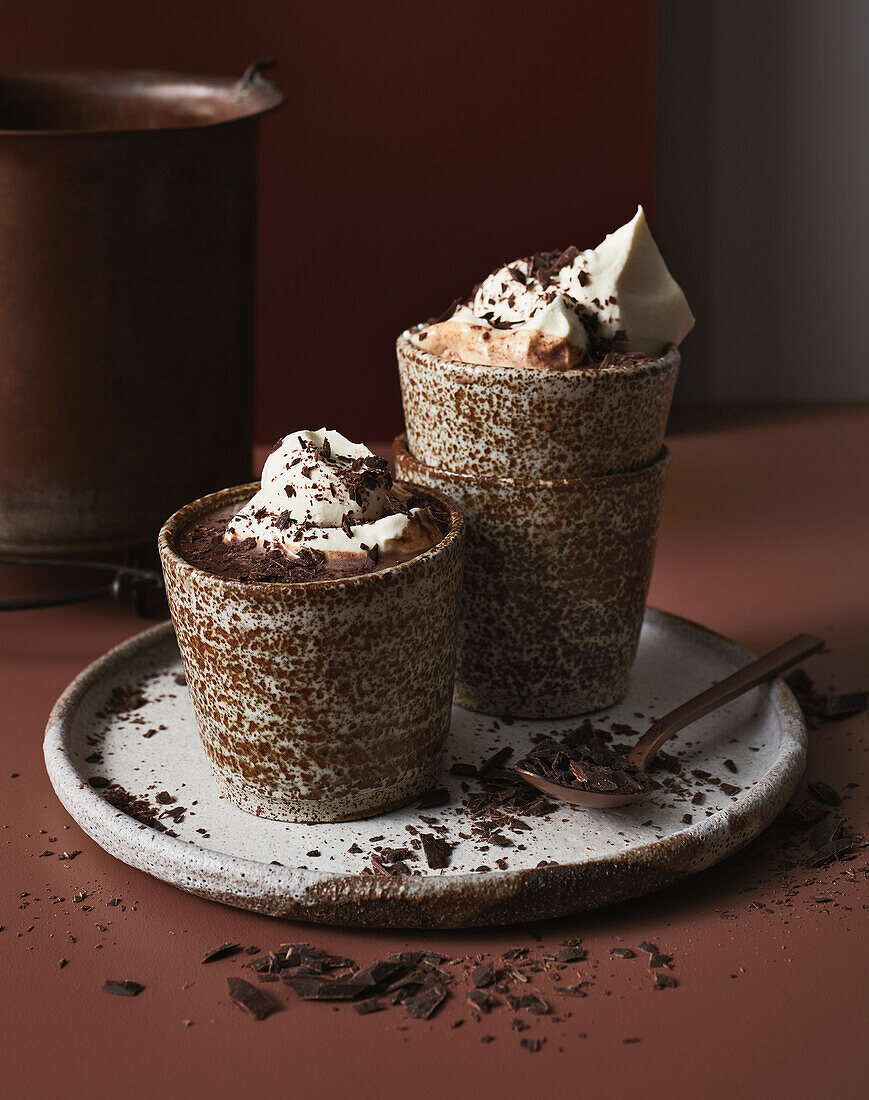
{"points": [[565, 309], [327, 509]]}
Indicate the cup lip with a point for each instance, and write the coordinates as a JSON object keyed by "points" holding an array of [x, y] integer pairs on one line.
{"points": [[560, 484], [211, 501], [668, 360]]}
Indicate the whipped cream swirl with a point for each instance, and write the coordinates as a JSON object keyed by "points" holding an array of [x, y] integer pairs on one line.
{"points": [[550, 309], [324, 497]]}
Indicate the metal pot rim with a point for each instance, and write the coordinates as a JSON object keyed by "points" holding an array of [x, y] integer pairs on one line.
{"points": [[253, 96]]}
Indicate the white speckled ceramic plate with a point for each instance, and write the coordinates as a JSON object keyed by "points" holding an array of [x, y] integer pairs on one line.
{"points": [[592, 858]]}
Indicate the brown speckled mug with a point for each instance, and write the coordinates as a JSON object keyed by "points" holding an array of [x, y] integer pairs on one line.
{"points": [[505, 421], [322, 701], [556, 578]]}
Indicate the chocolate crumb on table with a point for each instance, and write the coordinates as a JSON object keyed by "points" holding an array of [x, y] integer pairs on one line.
{"points": [[122, 989], [249, 998], [221, 952]]}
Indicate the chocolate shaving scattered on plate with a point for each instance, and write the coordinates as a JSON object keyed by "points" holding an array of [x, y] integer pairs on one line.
{"points": [[438, 852], [438, 796]]}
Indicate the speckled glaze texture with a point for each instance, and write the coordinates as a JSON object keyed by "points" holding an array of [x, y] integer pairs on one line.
{"points": [[556, 579], [503, 421], [322, 701]]}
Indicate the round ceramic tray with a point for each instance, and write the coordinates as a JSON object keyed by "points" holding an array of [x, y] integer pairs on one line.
{"points": [[127, 723]]}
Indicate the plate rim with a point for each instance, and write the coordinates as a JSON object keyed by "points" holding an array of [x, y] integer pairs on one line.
{"points": [[509, 896]]}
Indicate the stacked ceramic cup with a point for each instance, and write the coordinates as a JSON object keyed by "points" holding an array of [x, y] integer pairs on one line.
{"points": [[561, 478]]}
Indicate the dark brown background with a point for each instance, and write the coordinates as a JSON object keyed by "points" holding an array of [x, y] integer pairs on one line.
{"points": [[419, 146]]}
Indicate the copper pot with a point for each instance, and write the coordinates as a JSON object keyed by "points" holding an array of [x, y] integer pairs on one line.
{"points": [[127, 245]]}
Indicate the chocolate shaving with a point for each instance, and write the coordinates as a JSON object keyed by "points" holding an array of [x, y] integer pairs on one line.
{"points": [[379, 868], [123, 700], [585, 763], [482, 1000], [438, 852], [844, 706], [808, 813], [122, 989], [249, 998], [438, 796], [535, 1004], [324, 989], [824, 834], [825, 793], [483, 975], [221, 952], [427, 1002]]}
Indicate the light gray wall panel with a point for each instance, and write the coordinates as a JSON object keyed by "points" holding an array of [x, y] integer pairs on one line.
{"points": [[761, 207]]}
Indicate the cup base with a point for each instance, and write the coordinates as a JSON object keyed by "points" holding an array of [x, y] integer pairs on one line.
{"points": [[505, 704], [286, 806]]}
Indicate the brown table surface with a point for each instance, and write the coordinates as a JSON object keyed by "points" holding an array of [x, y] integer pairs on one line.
{"points": [[765, 534]]}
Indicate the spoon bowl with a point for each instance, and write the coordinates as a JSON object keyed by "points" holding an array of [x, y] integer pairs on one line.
{"points": [[662, 729], [592, 800]]}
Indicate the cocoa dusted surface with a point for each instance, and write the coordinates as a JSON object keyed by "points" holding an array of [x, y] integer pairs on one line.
{"points": [[746, 980]]}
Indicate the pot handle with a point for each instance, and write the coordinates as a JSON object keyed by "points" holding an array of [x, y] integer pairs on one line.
{"points": [[252, 76]]}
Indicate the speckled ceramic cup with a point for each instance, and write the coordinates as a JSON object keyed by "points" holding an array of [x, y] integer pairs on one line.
{"points": [[322, 701], [556, 578], [495, 421]]}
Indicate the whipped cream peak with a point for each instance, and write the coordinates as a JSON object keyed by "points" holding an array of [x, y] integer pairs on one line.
{"points": [[323, 495], [639, 305], [319, 477], [560, 319], [616, 297]]}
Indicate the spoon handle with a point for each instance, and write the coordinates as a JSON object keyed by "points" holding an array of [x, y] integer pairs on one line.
{"points": [[758, 672]]}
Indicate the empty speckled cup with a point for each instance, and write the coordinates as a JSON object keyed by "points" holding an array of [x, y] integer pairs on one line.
{"points": [[495, 421], [322, 701], [556, 578]]}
